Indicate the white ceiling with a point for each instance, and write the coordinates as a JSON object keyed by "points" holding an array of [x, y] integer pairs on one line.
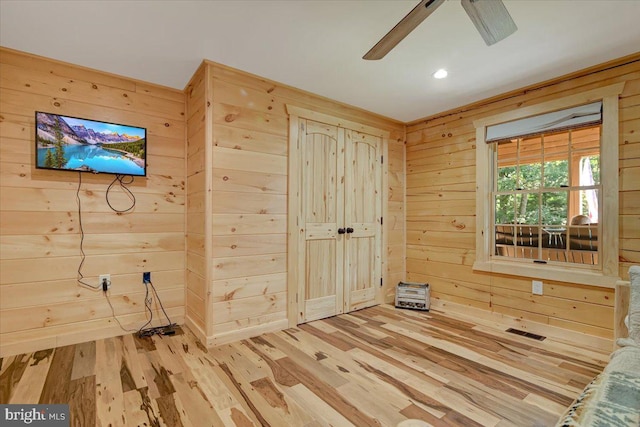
{"points": [[318, 45]]}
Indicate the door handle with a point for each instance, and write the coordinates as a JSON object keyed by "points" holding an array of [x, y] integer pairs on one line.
{"points": [[341, 230], [349, 230]]}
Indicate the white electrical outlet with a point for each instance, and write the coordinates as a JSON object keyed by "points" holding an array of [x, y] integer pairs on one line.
{"points": [[536, 287], [104, 277]]}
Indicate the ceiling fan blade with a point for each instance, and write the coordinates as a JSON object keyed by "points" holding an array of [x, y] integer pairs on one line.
{"points": [[491, 19], [403, 28]]}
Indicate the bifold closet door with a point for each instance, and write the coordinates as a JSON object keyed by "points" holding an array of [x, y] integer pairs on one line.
{"points": [[340, 212]]}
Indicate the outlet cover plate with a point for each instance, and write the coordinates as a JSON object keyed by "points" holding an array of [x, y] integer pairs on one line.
{"points": [[107, 277], [536, 287]]}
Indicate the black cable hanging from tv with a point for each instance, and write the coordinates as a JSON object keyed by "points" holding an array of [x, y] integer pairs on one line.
{"points": [[123, 185], [80, 277]]}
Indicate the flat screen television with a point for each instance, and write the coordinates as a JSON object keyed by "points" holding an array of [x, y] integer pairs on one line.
{"points": [[75, 144]]}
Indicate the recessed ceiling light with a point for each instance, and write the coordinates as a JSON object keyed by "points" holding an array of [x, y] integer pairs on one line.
{"points": [[440, 74]]}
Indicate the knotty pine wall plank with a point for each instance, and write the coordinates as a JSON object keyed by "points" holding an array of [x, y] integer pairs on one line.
{"points": [[246, 129], [198, 200], [41, 302], [441, 207]]}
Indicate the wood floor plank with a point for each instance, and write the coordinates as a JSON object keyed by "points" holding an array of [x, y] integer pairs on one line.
{"points": [[29, 387], [235, 388], [324, 413], [109, 391], [169, 412], [140, 409], [82, 401], [131, 362], [336, 400], [84, 360], [56, 387], [374, 367]]}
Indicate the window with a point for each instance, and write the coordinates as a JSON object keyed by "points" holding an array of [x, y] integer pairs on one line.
{"points": [[547, 200], [546, 196]]}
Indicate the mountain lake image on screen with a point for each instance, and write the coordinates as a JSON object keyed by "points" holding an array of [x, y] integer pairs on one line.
{"points": [[75, 144]]}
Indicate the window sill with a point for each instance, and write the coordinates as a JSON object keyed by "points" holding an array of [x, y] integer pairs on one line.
{"points": [[548, 272]]}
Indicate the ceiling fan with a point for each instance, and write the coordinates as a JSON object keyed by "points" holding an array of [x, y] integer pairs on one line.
{"points": [[491, 18]]}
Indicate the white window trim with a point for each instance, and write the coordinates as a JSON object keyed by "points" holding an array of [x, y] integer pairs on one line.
{"points": [[607, 274]]}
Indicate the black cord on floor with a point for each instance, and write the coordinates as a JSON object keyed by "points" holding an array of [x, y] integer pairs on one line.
{"points": [[148, 300], [161, 330], [147, 305]]}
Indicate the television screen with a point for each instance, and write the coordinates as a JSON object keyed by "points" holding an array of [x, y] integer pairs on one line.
{"points": [[74, 144]]}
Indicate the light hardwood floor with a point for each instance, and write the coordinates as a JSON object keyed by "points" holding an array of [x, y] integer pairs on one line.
{"points": [[374, 367]]}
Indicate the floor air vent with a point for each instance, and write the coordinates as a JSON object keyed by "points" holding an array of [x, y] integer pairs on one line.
{"points": [[526, 334]]}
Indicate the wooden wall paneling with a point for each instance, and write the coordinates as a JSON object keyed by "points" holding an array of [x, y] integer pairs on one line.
{"points": [[248, 286], [249, 182], [441, 207], [59, 68], [65, 267], [43, 83], [49, 223], [629, 150], [249, 212], [24, 104], [26, 318], [198, 244], [249, 139], [42, 246], [248, 224], [19, 295], [241, 245], [70, 333], [43, 199], [301, 98], [44, 306], [228, 181], [248, 161]]}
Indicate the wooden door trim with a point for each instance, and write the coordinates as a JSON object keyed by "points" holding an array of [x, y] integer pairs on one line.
{"points": [[294, 201], [300, 112], [293, 214]]}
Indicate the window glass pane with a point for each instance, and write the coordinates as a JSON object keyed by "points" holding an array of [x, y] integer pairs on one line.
{"points": [[554, 208], [504, 236], [588, 171], [505, 209], [527, 209], [530, 175], [589, 205], [586, 139], [547, 180], [556, 160], [530, 147], [530, 161], [556, 174], [507, 165], [527, 240], [507, 178]]}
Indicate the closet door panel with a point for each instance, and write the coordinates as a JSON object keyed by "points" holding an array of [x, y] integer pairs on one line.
{"points": [[363, 180], [322, 197]]}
